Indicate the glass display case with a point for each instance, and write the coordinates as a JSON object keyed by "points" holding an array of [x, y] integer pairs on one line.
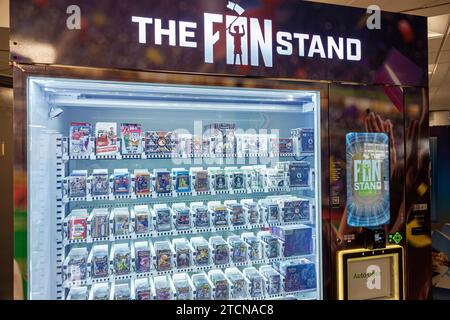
{"points": [[156, 191]]}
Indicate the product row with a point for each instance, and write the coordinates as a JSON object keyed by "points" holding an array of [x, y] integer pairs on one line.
{"points": [[232, 283], [142, 220], [100, 183], [217, 138], [144, 256]]}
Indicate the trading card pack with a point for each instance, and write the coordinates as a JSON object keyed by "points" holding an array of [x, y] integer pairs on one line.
{"points": [[141, 219], [282, 145], [276, 178], [106, 138], [162, 288], [299, 173], [142, 259], [297, 239], [80, 139], [160, 142], [239, 250], [273, 279], [298, 274], [130, 135], [236, 212], [77, 225], [271, 209], [295, 210], [163, 181], [142, 182], [239, 283], [100, 291], [78, 183], [182, 217], [254, 250], [142, 289], [221, 250], [222, 286], [201, 181], [121, 181], [202, 252], [182, 181], [220, 180], [100, 182], [252, 212], [182, 287], [122, 292], [78, 293], [183, 255], [220, 215], [256, 287], [163, 253], [201, 216], [122, 259], [100, 223], [272, 246], [100, 261], [121, 221], [77, 264], [203, 290], [237, 180], [163, 219]]}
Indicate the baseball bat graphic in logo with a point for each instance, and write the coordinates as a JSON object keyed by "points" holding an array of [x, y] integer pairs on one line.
{"points": [[236, 8]]}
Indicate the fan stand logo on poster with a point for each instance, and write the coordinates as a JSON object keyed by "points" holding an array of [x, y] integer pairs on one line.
{"points": [[247, 38]]}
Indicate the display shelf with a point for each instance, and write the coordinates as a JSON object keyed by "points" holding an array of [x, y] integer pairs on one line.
{"points": [[174, 194], [192, 231], [172, 271]]}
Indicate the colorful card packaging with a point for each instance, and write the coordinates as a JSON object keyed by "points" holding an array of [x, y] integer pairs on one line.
{"points": [[203, 289], [297, 239], [142, 289], [221, 284], [282, 145], [201, 180], [163, 290], [141, 219], [299, 174], [100, 291], [77, 264], [182, 286], [100, 182], [251, 211], [142, 257], [77, 224], [80, 139], [295, 210], [221, 251], [163, 181], [78, 293], [100, 261], [273, 280], [236, 213], [201, 251], [276, 178], [78, 184], [163, 217], [121, 181], [239, 252], [271, 209], [218, 179], [142, 182], [182, 216], [254, 249], [106, 138], [220, 137], [182, 180], [201, 215], [219, 214], [271, 245], [256, 285], [239, 283], [256, 178], [122, 291], [100, 223], [121, 259], [160, 142], [164, 254], [121, 221], [183, 253], [237, 179], [130, 135], [298, 274]]}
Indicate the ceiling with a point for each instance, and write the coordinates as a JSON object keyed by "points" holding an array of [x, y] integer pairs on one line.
{"points": [[438, 12]]}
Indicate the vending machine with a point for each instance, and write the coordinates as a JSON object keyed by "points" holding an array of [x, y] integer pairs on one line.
{"points": [[167, 154]]}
